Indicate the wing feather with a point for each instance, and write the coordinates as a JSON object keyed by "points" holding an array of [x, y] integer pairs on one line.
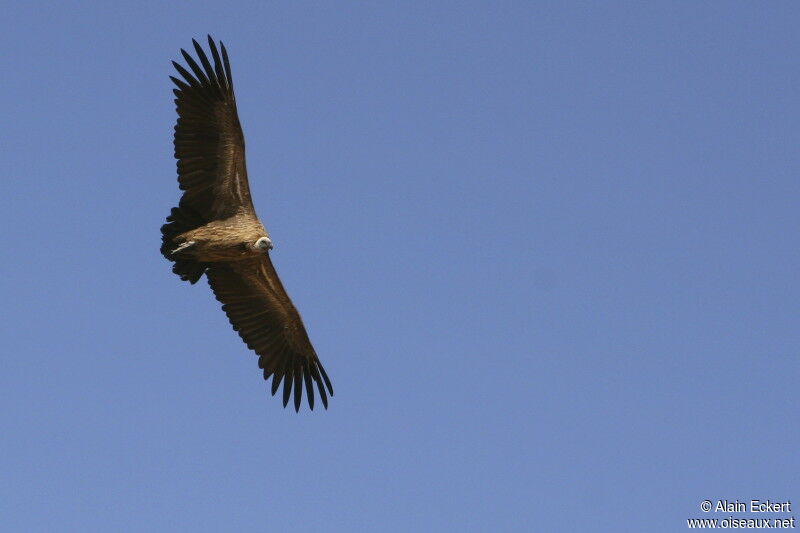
{"points": [[261, 312], [209, 144]]}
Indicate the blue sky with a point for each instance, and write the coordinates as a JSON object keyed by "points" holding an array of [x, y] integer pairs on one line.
{"points": [[547, 253]]}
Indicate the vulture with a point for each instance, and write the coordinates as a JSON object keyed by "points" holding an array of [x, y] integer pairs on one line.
{"points": [[215, 230]]}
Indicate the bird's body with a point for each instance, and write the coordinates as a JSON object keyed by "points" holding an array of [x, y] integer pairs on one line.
{"points": [[229, 239], [215, 230]]}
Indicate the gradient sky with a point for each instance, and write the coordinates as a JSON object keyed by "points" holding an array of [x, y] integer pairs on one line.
{"points": [[548, 253]]}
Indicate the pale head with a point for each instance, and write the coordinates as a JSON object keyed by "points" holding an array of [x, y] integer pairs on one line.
{"points": [[264, 243]]}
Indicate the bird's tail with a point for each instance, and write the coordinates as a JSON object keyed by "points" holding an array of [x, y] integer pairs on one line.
{"points": [[180, 220]]}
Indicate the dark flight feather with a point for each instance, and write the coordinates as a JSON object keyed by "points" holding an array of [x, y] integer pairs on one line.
{"points": [[209, 148], [265, 318]]}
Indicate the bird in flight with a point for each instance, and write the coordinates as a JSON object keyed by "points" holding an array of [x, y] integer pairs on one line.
{"points": [[215, 230]]}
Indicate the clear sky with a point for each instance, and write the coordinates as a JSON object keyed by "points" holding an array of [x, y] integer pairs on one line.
{"points": [[547, 251]]}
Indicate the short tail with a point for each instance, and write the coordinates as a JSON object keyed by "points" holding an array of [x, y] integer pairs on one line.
{"points": [[180, 220]]}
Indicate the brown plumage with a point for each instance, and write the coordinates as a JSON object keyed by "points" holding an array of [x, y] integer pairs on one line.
{"points": [[215, 230]]}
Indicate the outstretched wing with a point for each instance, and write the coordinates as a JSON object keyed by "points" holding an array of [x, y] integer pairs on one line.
{"points": [[209, 144], [260, 310]]}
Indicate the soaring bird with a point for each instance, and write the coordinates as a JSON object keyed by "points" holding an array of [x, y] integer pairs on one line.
{"points": [[215, 230]]}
